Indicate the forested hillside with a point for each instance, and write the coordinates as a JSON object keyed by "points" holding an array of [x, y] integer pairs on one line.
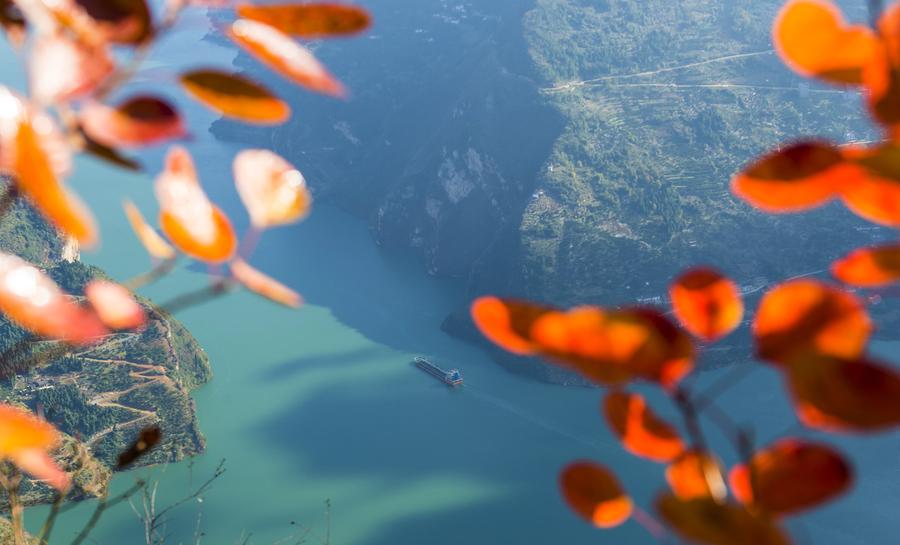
{"points": [[106, 393], [570, 151]]}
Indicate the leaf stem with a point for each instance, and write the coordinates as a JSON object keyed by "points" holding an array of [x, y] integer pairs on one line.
{"points": [[189, 299], [158, 271]]}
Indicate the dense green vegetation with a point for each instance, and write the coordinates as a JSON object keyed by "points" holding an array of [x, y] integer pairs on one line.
{"points": [[636, 186], [104, 394]]}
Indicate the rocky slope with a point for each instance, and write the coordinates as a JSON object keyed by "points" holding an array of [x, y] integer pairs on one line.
{"points": [[569, 151], [104, 394]]}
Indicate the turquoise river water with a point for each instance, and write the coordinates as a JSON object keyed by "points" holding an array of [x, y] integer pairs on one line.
{"points": [[323, 403]]}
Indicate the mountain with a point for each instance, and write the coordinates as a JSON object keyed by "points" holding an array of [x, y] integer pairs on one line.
{"points": [[567, 151], [105, 393]]}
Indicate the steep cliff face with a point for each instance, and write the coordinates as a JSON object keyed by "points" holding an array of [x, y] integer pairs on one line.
{"points": [[439, 145], [569, 151], [103, 394]]}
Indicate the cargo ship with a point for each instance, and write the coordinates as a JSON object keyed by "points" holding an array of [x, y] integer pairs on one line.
{"points": [[451, 378]]}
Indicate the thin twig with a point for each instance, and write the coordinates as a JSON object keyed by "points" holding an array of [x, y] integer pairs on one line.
{"points": [[218, 472], [103, 506], [249, 242], [47, 528], [689, 415], [185, 300], [10, 479], [745, 442], [730, 378], [160, 270]]}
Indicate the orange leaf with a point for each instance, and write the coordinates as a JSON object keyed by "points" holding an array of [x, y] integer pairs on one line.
{"points": [[875, 194], [856, 395], [115, 305], [54, 144], [41, 466], [31, 299], [13, 23], [121, 21], [262, 284], [642, 433], [798, 177], [108, 154], [272, 190], [37, 180], [706, 521], [881, 75], [813, 39], [706, 303], [790, 476], [25, 440], [611, 347], [193, 224], [594, 493], [316, 20], [155, 245], [61, 69], [608, 347], [696, 474], [800, 319], [869, 267], [139, 121], [236, 97], [285, 56], [507, 323]]}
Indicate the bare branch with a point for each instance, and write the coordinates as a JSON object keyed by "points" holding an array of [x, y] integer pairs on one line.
{"points": [[102, 506]]}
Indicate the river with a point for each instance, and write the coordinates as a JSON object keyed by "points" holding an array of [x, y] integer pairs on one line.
{"points": [[322, 403]]}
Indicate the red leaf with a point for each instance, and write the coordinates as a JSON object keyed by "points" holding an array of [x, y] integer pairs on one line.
{"points": [[193, 224], [875, 193], [593, 492], [608, 347], [642, 433], [857, 395], [507, 323], [696, 474], [150, 239], [236, 97], [798, 177], [115, 305], [706, 303], [61, 69], [790, 476], [812, 38], [37, 180], [26, 441], [313, 20], [800, 319], [285, 56], [32, 300], [263, 285], [869, 267], [706, 521], [139, 121], [272, 190]]}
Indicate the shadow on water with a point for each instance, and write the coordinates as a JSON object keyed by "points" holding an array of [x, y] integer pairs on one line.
{"points": [[435, 462], [288, 369]]}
